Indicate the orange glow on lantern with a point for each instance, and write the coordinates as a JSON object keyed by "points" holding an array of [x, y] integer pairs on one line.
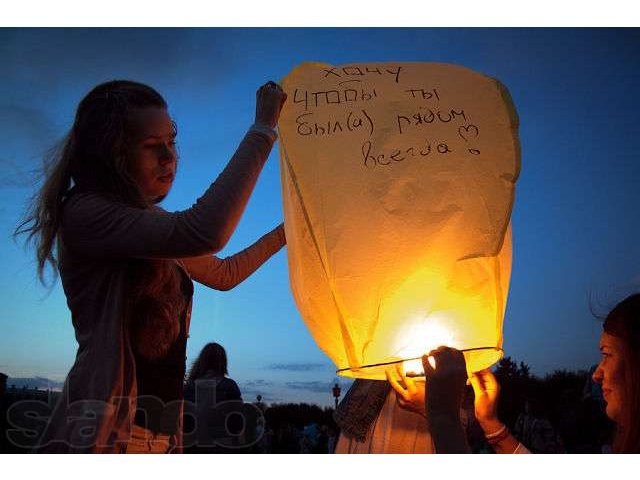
{"points": [[398, 240]]}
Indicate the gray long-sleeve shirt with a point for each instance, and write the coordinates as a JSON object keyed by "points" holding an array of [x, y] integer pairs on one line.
{"points": [[97, 238]]}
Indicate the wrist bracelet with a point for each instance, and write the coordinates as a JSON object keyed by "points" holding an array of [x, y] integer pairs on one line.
{"points": [[520, 446], [498, 436], [497, 433]]}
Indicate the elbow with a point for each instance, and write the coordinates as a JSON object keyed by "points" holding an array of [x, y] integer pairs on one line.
{"points": [[224, 287], [227, 282], [217, 243]]}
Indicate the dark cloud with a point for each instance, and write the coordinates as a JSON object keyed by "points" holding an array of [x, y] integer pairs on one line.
{"points": [[250, 394], [257, 383], [312, 386], [297, 367], [251, 388], [270, 391], [50, 59]]}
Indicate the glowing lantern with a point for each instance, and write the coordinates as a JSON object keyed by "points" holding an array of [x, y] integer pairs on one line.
{"points": [[398, 186]]}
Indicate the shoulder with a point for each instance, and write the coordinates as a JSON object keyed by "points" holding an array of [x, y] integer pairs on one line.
{"points": [[228, 382], [80, 198], [83, 204], [229, 385], [85, 209]]}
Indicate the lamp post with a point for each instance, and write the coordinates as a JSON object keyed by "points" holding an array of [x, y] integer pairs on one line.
{"points": [[259, 403], [336, 394]]}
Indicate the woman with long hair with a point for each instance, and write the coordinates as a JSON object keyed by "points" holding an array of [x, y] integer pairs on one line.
{"points": [[127, 265], [618, 373], [220, 419], [211, 363]]}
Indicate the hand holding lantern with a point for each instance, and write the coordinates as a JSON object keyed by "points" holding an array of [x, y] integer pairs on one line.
{"points": [[269, 101], [411, 395], [487, 390]]}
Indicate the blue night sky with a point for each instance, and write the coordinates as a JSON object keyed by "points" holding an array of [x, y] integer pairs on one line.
{"points": [[576, 232]]}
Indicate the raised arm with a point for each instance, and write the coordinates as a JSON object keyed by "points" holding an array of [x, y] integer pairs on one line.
{"points": [[487, 391], [95, 225], [224, 274]]}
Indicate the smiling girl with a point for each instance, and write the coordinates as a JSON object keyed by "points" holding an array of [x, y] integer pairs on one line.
{"points": [[619, 373]]}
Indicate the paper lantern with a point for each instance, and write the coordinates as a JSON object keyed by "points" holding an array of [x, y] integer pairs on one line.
{"points": [[398, 185]]}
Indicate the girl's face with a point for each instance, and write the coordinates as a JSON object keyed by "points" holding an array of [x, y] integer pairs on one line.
{"points": [[610, 374], [154, 152]]}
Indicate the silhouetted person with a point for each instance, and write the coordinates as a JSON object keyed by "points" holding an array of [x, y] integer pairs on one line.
{"points": [[218, 403], [535, 430]]}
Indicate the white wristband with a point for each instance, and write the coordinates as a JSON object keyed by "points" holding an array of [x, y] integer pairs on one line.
{"points": [[497, 433], [520, 448]]}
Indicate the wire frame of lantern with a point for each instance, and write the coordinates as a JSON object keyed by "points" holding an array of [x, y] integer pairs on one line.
{"points": [[412, 367]]}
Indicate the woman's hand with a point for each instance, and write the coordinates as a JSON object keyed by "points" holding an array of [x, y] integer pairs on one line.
{"points": [[446, 380], [269, 101], [487, 390], [410, 394]]}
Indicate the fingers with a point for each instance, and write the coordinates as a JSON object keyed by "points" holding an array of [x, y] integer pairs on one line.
{"points": [[428, 364], [447, 359], [484, 382], [270, 99], [408, 381], [490, 380], [392, 378], [399, 372], [271, 84], [477, 386], [487, 379], [272, 89], [449, 355]]}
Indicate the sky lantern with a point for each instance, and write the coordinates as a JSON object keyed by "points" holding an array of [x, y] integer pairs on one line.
{"points": [[398, 185]]}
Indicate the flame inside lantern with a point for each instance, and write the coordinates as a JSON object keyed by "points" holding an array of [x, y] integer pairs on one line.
{"points": [[423, 338]]}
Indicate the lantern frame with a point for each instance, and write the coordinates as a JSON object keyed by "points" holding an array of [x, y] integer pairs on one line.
{"points": [[402, 360]]}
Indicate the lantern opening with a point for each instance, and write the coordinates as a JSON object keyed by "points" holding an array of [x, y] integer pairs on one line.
{"points": [[412, 366]]}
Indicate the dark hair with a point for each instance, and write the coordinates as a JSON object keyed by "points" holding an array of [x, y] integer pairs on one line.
{"points": [[623, 322], [95, 156], [212, 358]]}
